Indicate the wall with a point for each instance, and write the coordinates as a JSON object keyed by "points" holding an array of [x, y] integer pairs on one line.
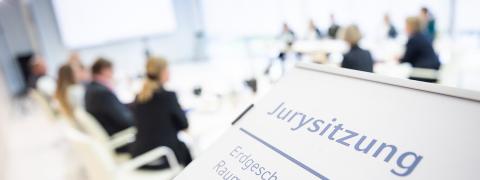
{"points": [[13, 28], [128, 55]]}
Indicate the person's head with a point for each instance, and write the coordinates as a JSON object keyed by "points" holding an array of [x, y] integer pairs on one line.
{"points": [[156, 76], [332, 18], [81, 73], [311, 24], [65, 79], [74, 58], [285, 27], [102, 70], [38, 66], [424, 11], [352, 35], [386, 19], [413, 25], [425, 15]]}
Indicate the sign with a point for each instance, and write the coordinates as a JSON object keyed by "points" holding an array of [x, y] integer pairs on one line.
{"points": [[331, 123]]}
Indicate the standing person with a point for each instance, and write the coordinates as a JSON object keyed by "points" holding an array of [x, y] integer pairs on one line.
{"points": [[69, 93], [428, 21], [158, 116], [34, 71], [356, 58], [288, 37], [287, 34], [391, 31], [82, 74], [101, 102], [334, 27], [313, 33], [419, 51]]}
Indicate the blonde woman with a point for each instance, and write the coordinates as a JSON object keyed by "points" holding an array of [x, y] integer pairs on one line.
{"points": [[158, 116], [357, 58], [69, 93]]}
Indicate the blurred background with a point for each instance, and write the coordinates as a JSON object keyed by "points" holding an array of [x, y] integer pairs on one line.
{"points": [[222, 56]]}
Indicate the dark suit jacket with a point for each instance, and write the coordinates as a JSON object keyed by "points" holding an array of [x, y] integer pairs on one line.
{"points": [[420, 53], [358, 59], [158, 122], [107, 109], [332, 31]]}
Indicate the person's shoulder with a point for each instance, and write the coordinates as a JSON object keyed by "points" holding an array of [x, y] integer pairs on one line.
{"points": [[349, 54], [162, 93], [170, 94], [96, 88], [365, 51]]}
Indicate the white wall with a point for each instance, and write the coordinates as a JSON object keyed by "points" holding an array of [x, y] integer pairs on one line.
{"points": [[265, 17], [128, 55], [11, 22]]}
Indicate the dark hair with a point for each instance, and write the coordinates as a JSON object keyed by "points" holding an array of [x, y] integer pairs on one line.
{"points": [[25, 60], [425, 10], [100, 64]]}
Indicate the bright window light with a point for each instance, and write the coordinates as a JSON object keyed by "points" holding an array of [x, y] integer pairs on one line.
{"points": [[93, 22]]}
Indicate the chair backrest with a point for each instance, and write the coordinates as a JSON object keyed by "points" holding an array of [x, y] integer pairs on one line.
{"points": [[97, 160], [91, 126], [42, 102]]}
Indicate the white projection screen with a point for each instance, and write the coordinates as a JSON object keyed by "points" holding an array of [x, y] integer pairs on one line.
{"points": [[94, 22]]}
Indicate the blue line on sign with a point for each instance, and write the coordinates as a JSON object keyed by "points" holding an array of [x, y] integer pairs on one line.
{"points": [[290, 158]]}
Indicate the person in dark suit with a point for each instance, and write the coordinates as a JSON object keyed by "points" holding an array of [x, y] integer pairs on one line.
{"points": [[357, 58], [333, 29], [158, 116], [288, 37], [102, 103], [428, 21], [419, 51], [391, 30]]}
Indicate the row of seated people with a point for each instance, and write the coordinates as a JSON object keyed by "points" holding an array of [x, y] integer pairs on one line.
{"points": [[156, 112], [419, 50]]}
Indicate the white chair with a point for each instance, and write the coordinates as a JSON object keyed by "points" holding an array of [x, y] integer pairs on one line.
{"points": [[94, 129], [90, 125], [100, 165], [42, 103], [424, 73]]}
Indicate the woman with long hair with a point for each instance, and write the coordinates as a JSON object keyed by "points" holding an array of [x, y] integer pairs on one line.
{"points": [[158, 116], [69, 93]]}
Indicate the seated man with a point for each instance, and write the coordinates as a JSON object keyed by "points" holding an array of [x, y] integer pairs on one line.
{"points": [[102, 103]]}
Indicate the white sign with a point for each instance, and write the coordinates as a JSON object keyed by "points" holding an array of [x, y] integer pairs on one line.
{"points": [[329, 123]]}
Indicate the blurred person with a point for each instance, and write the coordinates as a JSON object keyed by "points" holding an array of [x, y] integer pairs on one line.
{"points": [[70, 93], [313, 32], [81, 73], [158, 116], [356, 58], [287, 34], [38, 69], [419, 51], [102, 103], [334, 27], [34, 71], [391, 31], [428, 23]]}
